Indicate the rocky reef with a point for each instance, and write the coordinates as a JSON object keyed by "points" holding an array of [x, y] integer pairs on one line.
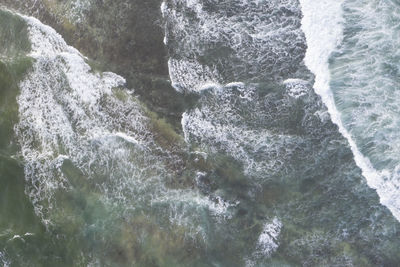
{"points": [[122, 36]]}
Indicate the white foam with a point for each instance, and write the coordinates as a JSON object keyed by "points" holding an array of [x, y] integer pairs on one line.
{"points": [[216, 205], [267, 242], [296, 87], [67, 111], [3, 260], [268, 239], [235, 84], [258, 44], [16, 237], [191, 75], [47, 43], [77, 9], [163, 7], [218, 125], [323, 27], [29, 234], [128, 138]]}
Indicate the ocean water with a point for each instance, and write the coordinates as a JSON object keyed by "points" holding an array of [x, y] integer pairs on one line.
{"points": [[285, 155]]}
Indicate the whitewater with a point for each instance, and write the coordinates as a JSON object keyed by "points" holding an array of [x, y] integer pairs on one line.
{"points": [[247, 147], [323, 26]]}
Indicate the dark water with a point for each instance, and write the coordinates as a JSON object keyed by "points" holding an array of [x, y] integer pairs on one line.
{"points": [[241, 166]]}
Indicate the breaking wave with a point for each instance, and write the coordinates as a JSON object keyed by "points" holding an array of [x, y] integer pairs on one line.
{"points": [[323, 25]]}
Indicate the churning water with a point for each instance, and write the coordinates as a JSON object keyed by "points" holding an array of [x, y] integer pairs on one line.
{"points": [[287, 157]]}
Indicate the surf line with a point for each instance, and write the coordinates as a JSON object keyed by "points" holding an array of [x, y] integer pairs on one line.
{"points": [[322, 24]]}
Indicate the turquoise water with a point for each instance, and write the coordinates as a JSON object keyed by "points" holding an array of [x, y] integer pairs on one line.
{"points": [[262, 170]]}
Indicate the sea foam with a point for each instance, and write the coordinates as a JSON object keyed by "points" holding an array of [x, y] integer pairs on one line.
{"points": [[69, 112], [322, 25]]}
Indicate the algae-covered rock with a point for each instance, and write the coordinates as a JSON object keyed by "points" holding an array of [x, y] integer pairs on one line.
{"points": [[122, 36], [121, 32], [142, 242]]}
